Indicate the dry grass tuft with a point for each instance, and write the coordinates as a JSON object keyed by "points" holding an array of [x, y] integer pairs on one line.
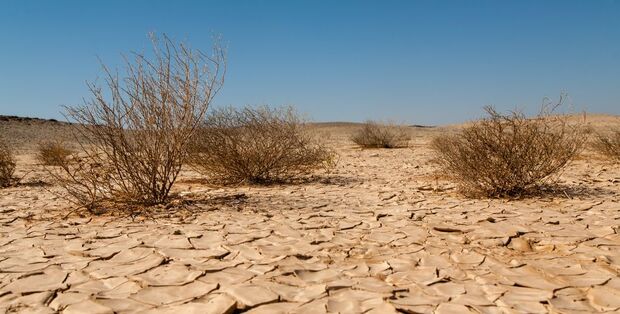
{"points": [[7, 165], [608, 145], [508, 155], [53, 153], [378, 135], [134, 142], [256, 145]]}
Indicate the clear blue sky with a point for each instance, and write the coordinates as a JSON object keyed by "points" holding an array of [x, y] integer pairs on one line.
{"points": [[427, 62]]}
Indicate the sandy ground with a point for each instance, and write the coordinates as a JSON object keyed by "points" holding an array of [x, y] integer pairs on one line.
{"points": [[380, 234]]}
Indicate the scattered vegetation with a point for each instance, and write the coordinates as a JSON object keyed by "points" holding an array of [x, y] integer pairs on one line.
{"points": [[608, 145], [53, 153], [7, 165], [256, 145], [508, 155], [134, 136], [378, 135]]}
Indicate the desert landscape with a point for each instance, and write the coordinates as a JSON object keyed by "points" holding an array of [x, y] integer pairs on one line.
{"points": [[342, 157], [379, 233]]}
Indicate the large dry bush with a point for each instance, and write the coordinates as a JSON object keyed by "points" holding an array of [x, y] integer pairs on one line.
{"points": [[609, 145], [507, 155], [256, 145], [381, 135], [7, 165], [53, 153], [134, 134]]}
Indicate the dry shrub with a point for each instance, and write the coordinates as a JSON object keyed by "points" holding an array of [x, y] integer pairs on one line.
{"points": [[608, 145], [53, 153], [508, 155], [7, 165], [256, 145], [379, 135], [90, 184], [134, 136]]}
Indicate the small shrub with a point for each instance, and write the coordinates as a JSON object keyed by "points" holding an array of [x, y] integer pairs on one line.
{"points": [[7, 165], [508, 155], [376, 135], [134, 136], [608, 145], [53, 153], [256, 145]]}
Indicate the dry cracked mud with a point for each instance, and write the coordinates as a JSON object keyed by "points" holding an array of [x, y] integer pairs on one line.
{"points": [[378, 235]]}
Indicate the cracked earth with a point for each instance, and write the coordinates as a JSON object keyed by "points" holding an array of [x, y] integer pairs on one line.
{"points": [[378, 235]]}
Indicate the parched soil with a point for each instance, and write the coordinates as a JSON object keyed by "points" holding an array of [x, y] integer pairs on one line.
{"points": [[380, 234]]}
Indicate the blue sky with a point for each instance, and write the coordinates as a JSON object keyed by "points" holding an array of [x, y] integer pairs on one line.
{"points": [[426, 62]]}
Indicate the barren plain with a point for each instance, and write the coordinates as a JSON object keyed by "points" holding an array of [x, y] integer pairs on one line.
{"points": [[381, 233]]}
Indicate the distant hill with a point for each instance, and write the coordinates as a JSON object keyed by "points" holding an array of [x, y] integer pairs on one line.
{"points": [[349, 124], [25, 133], [29, 119]]}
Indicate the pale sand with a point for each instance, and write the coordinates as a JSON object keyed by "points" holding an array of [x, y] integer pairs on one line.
{"points": [[378, 235]]}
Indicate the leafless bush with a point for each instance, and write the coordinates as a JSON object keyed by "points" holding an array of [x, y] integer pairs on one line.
{"points": [[378, 135], [90, 184], [508, 155], [608, 145], [7, 165], [134, 136], [53, 153], [256, 145]]}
